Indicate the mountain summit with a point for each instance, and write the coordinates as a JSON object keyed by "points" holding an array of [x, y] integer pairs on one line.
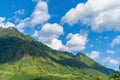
{"points": [[23, 58]]}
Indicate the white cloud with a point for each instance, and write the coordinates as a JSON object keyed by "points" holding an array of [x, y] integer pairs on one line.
{"points": [[49, 32], [2, 19], [69, 36], [9, 24], [76, 42], [110, 60], [73, 15], [101, 15], [94, 54], [39, 16], [51, 29], [57, 45], [22, 24], [49, 35], [19, 12], [110, 52], [116, 41], [5, 24], [17, 15]]}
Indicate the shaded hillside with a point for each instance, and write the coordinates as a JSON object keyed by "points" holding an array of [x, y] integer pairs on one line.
{"points": [[23, 58]]}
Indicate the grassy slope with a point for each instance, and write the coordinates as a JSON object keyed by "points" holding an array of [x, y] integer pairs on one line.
{"points": [[30, 68]]}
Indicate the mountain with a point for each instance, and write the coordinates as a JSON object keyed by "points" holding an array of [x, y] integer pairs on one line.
{"points": [[23, 58]]}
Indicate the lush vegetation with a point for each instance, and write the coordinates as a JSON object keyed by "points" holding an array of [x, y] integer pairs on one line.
{"points": [[115, 76], [23, 58]]}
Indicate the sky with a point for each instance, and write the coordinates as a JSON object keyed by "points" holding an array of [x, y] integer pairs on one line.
{"points": [[88, 26]]}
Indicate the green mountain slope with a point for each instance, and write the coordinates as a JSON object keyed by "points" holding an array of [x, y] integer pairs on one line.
{"points": [[90, 62], [23, 58]]}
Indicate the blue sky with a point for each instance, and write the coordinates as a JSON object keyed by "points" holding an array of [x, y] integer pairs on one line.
{"points": [[88, 26]]}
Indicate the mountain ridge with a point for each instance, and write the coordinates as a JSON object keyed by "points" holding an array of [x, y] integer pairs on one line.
{"points": [[27, 56]]}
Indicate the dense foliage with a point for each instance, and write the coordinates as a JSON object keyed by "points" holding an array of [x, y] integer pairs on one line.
{"points": [[115, 76]]}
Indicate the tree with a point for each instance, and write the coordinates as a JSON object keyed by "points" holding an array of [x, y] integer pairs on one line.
{"points": [[116, 76]]}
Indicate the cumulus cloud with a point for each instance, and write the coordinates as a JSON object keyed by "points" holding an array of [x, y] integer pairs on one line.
{"points": [[57, 45], [69, 36], [49, 32], [49, 35], [116, 41], [94, 54], [110, 52], [76, 42], [22, 24], [110, 60], [101, 15], [5, 24], [52, 29], [39, 16]]}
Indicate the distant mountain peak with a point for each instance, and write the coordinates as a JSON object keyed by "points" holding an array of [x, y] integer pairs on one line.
{"points": [[10, 32]]}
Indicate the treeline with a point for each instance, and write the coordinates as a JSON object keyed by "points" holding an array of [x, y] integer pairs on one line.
{"points": [[115, 76]]}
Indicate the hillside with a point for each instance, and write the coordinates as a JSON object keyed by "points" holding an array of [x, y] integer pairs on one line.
{"points": [[23, 58]]}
